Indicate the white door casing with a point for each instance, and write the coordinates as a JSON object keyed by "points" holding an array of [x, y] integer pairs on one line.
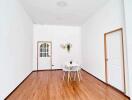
{"points": [[115, 60], [44, 55]]}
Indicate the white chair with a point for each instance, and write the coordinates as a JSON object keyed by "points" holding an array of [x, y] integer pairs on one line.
{"points": [[77, 72], [75, 69], [68, 71]]}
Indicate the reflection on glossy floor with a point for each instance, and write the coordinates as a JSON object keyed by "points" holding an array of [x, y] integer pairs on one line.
{"points": [[48, 85]]}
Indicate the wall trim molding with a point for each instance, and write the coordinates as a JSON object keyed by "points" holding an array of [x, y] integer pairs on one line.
{"points": [[28, 77], [19, 85], [46, 70], [61, 69], [107, 84]]}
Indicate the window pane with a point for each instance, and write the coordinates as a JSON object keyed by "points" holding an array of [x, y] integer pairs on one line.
{"points": [[40, 54], [44, 45], [41, 45], [44, 54], [48, 54], [43, 50], [40, 49]]}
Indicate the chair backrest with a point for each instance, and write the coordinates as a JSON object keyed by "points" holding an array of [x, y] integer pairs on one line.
{"points": [[76, 66]]}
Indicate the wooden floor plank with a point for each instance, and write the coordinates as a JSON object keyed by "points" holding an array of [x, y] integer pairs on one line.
{"points": [[49, 85]]}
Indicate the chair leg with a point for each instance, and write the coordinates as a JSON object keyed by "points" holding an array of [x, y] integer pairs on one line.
{"points": [[75, 74], [64, 75], [68, 76], [78, 75]]}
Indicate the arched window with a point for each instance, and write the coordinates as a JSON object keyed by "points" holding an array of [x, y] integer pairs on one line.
{"points": [[44, 50]]}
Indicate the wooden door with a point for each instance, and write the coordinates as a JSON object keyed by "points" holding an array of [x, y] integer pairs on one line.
{"points": [[114, 59]]}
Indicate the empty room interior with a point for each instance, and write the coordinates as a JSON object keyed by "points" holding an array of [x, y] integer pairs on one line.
{"points": [[65, 49]]}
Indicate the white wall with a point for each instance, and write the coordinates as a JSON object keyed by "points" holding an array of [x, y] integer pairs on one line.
{"points": [[128, 20], [107, 18], [15, 45], [58, 35]]}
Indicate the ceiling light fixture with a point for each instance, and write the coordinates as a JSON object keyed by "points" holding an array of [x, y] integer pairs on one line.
{"points": [[62, 4]]}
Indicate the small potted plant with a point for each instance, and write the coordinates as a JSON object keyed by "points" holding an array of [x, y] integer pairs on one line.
{"points": [[70, 62], [67, 46]]}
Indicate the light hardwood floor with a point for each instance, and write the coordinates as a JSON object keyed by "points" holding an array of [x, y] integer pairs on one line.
{"points": [[49, 85]]}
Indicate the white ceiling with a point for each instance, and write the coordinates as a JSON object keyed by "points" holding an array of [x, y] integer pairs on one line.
{"points": [[48, 12]]}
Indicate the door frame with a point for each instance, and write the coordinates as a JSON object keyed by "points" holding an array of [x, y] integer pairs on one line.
{"points": [[105, 51], [38, 54]]}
